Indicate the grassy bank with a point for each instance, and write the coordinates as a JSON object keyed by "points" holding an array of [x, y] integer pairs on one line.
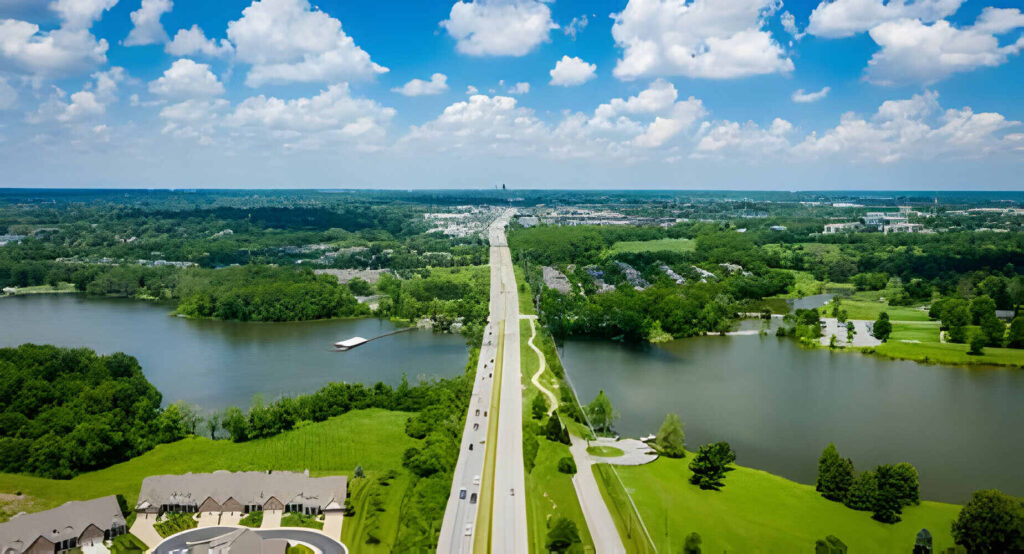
{"points": [[372, 438], [61, 288], [760, 512], [659, 245]]}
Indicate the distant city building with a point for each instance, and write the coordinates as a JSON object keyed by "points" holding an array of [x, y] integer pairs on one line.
{"points": [[880, 220], [833, 228], [72, 525], [778, 227], [903, 228]]}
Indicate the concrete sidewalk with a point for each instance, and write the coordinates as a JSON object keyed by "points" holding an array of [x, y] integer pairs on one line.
{"points": [[595, 511]]}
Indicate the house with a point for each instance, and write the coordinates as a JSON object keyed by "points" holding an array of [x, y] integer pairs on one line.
{"points": [[242, 492], [72, 525], [239, 541]]}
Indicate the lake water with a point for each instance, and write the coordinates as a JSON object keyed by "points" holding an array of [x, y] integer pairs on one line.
{"points": [[215, 364], [778, 405]]}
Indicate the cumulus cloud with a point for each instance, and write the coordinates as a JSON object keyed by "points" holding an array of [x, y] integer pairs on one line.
{"points": [[146, 20], [801, 97], [333, 115], [914, 52], [437, 84], [189, 42], [716, 39], [789, 24], [70, 48], [80, 14], [748, 139], [519, 88], [187, 79], [844, 18], [570, 72], [88, 103], [289, 41], [576, 26], [471, 90], [483, 123], [499, 27], [195, 118]]}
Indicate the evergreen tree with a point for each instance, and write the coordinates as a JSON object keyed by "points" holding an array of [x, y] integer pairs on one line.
{"points": [[923, 543], [671, 439], [710, 465], [862, 492], [887, 505], [835, 474], [601, 413]]}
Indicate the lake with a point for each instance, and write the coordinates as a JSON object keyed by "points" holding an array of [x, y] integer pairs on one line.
{"points": [[215, 364], [779, 405]]}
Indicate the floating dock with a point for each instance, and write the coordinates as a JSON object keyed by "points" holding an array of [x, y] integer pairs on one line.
{"points": [[349, 344]]}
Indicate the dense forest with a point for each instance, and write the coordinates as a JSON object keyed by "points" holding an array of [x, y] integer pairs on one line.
{"points": [[64, 411]]}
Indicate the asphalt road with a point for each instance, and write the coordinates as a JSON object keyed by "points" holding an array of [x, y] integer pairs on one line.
{"points": [[178, 543], [461, 513]]}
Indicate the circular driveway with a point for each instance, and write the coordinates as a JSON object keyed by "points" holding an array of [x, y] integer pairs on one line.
{"points": [[177, 544]]}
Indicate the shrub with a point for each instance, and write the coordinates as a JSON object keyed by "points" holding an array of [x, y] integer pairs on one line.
{"points": [[830, 545], [562, 535], [671, 439], [567, 465]]}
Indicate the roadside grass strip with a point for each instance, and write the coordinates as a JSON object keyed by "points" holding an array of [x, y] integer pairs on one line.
{"points": [[485, 513]]}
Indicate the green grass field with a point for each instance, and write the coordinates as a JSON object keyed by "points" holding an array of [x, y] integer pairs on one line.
{"points": [[867, 309], [760, 512], [356, 529], [659, 245], [373, 438], [61, 288], [604, 451]]}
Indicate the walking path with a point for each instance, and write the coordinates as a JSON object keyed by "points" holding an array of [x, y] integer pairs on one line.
{"points": [[536, 376], [595, 511], [634, 452]]}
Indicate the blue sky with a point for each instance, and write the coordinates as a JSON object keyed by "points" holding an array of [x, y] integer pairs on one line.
{"points": [[750, 94]]}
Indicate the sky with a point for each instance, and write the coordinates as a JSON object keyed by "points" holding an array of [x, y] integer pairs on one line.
{"points": [[674, 94]]}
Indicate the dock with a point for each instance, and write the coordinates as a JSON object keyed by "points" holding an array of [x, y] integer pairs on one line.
{"points": [[349, 344]]}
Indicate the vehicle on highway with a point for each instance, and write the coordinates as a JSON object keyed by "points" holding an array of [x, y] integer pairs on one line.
{"points": [[462, 494], [476, 480], [469, 529]]}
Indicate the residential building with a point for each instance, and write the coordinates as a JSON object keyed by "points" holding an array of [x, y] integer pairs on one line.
{"points": [[833, 228], [72, 525], [903, 228], [242, 492]]}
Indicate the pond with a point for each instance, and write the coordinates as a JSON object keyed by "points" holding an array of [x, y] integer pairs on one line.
{"points": [[779, 405], [215, 364]]}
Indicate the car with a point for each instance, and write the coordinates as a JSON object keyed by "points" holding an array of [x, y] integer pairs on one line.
{"points": [[472, 498], [478, 411], [462, 494], [476, 480], [469, 529], [476, 426], [511, 492], [471, 446]]}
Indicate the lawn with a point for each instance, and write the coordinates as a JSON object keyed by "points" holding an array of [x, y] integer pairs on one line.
{"points": [[659, 245], [549, 493], [867, 309], [372, 438], [368, 519], [292, 519], [61, 288], [948, 353], [605, 451], [760, 512]]}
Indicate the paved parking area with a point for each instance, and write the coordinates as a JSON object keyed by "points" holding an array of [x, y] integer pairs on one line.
{"points": [[178, 544], [634, 452]]}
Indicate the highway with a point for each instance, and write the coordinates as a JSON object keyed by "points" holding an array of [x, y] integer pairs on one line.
{"points": [[492, 474]]}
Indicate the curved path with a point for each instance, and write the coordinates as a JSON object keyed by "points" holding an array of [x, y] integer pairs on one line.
{"points": [[536, 376], [179, 543]]}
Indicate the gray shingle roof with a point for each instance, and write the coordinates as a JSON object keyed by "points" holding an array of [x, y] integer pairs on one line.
{"points": [[61, 523], [246, 487]]}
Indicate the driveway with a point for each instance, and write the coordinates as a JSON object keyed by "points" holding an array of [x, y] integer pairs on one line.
{"points": [[178, 544], [332, 524], [143, 529], [271, 519], [209, 519]]}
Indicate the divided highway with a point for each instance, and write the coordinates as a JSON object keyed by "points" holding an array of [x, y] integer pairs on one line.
{"points": [[487, 506]]}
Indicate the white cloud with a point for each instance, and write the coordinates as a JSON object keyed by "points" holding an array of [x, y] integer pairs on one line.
{"points": [[570, 72], [187, 79], [333, 115], [8, 96], [88, 103], [146, 20], [193, 119], [717, 39], [748, 139], [471, 90], [844, 18], [499, 27], [682, 117], [24, 48], [485, 123], [437, 84], [801, 97], [288, 41], [188, 42], [911, 128], [576, 26], [913, 52], [80, 14], [789, 24], [519, 88]]}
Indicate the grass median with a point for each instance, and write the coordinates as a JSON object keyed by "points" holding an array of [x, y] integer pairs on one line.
{"points": [[485, 513]]}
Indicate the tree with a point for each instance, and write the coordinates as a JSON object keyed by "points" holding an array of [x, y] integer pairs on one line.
{"points": [[671, 439], [555, 432], [567, 465], [923, 542], [530, 448], [990, 522], [835, 474], [993, 328], [562, 535], [977, 342], [906, 483], [236, 424], [862, 492], [830, 545], [1016, 338], [601, 413], [887, 505], [212, 424], [980, 307], [358, 473], [539, 407], [882, 327], [956, 317], [710, 465], [692, 544]]}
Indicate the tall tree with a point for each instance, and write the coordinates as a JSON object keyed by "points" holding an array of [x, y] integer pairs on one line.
{"points": [[887, 506], [882, 327], [601, 413], [671, 439], [993, 328], [710, 465], [1016, 338], [990, 522], [956, 317], [980, 307], [862, 492], [835, 474]]}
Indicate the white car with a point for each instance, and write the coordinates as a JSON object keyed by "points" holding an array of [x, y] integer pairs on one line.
{"points": [[469, 529], [476, 480]]}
